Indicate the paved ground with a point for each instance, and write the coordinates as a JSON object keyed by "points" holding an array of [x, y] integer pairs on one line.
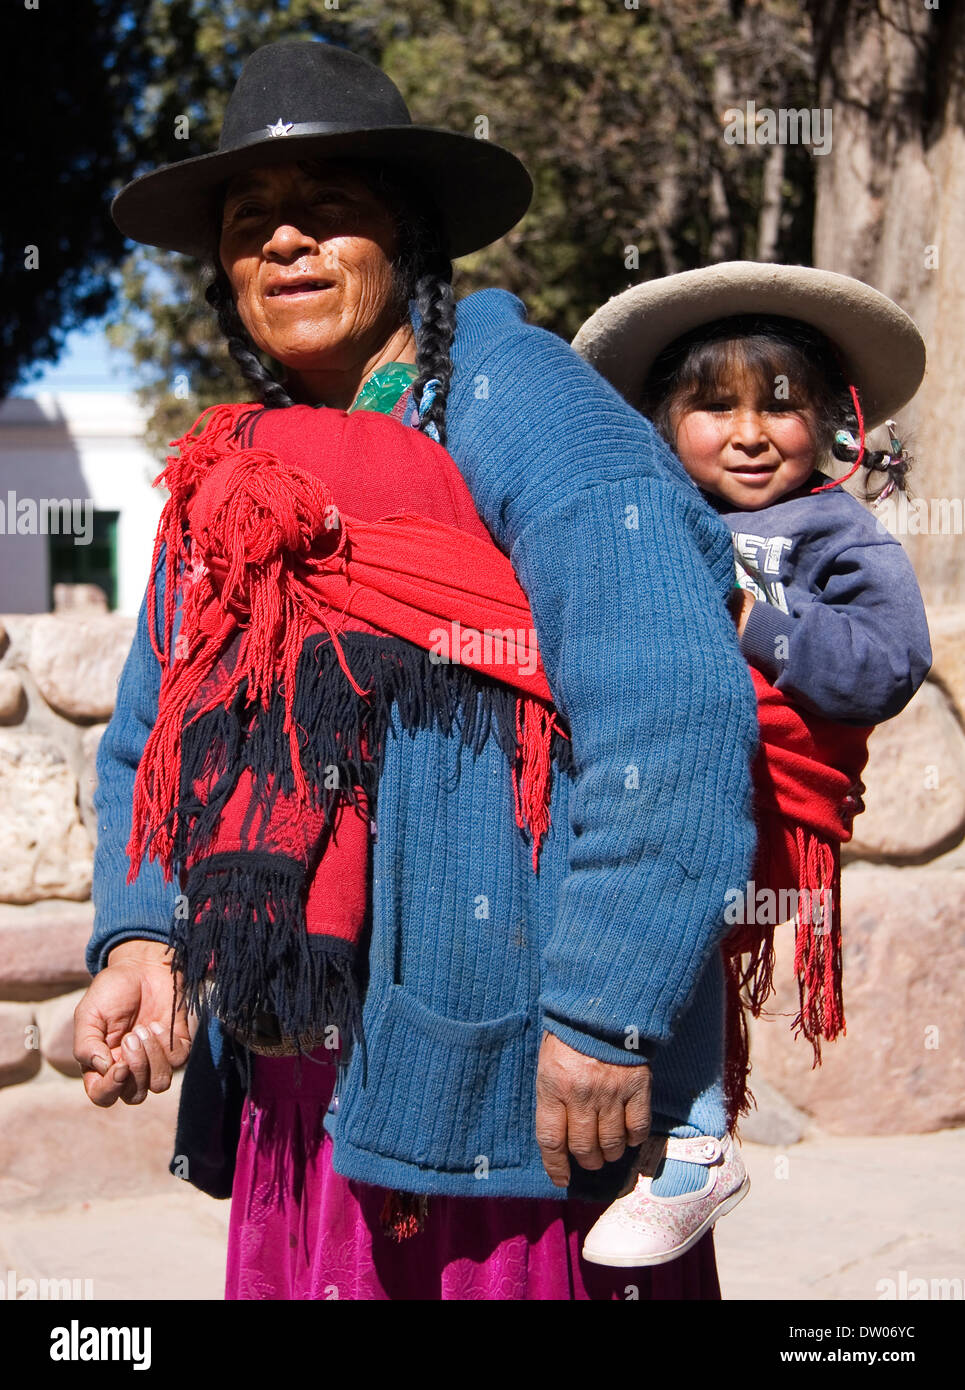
{"points": [[825, 1219], [834, 1218], [167, 1246]]}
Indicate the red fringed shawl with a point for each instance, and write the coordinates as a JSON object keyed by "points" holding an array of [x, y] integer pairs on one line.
{"points": [[304, 633], [267, 731], [807, 791]]}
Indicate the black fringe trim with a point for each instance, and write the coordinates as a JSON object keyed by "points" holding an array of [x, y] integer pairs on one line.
{"points": [[242, 947], [407, 690], [244, 955]]}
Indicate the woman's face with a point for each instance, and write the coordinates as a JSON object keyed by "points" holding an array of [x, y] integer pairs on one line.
{"points": [[308, 252], [746, 447]]}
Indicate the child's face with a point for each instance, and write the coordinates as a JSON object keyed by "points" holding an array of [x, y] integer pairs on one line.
{"points": [[744, 446]]}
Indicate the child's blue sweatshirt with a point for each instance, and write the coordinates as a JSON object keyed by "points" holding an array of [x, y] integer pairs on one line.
{"points": [[472, 955], [842, 628]]}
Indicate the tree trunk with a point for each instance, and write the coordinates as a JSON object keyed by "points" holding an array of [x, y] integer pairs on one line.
{"points": [[769, 219], [891, 210]]}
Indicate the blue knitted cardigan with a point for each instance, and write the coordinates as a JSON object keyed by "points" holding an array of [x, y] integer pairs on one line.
{"points": [[472, 956]]}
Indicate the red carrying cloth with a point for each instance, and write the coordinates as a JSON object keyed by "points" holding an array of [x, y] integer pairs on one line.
{"points": [[807, 791]]}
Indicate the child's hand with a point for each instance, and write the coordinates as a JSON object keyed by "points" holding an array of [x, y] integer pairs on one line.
{"points": [[740, 602]]}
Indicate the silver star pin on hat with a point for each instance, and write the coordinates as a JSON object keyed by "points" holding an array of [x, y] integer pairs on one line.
{"points": [[280, 128]]}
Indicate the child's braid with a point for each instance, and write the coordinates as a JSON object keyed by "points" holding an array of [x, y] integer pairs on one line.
{"points": [[895, 463]]}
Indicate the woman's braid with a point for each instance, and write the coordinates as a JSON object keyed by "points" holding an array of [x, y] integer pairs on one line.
{"points": [[423, 275], [271, 393], [437, 310]]}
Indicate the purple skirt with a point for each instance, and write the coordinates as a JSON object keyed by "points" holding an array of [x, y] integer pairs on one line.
{"points": [[299, 1230]]}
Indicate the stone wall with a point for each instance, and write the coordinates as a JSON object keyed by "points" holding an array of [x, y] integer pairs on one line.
{"points": [[58, 678], [901, 1067]]}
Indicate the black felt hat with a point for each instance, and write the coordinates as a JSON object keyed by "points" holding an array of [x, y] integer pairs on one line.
{"points": [[306, 100]]}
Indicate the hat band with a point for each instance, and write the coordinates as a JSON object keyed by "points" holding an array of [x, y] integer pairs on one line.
{"points": [[283, 128]]}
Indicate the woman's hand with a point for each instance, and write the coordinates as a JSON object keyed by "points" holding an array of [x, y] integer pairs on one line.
{"points": [[592, 1110], [122, 1026]]}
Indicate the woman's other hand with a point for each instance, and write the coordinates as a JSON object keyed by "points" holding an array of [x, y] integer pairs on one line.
{"points": [[590, 1109], [122, 1026]]}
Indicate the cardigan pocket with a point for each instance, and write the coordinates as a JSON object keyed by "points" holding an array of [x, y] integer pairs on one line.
{"points": [[443, 1094]]}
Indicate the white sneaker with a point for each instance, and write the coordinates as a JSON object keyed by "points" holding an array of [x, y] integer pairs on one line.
{"points": [[642, 1229]]}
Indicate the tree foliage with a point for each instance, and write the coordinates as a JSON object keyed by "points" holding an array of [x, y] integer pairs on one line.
{"points": [[74, 71], [617, 109]]}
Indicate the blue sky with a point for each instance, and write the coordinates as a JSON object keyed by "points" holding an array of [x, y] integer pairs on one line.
{"points": [[87, 363]]}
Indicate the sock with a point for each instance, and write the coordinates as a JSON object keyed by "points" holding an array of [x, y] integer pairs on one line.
{"points": [[673, 1178], [688, 1095]]}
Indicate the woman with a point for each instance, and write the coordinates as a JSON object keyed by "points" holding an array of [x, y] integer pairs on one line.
{"points": [[509, 1016]]}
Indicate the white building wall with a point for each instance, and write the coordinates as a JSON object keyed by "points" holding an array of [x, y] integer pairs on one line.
{"points": [[88, 447]]}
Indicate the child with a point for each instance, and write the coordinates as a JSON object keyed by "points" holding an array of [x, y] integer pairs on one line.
{"points": [[757, 375]]}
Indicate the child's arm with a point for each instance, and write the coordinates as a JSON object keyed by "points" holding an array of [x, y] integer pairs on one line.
{"points": [[859, 651]]}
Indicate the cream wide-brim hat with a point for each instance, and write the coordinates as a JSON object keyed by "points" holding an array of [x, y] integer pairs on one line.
{"points": [[881, 350]]}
